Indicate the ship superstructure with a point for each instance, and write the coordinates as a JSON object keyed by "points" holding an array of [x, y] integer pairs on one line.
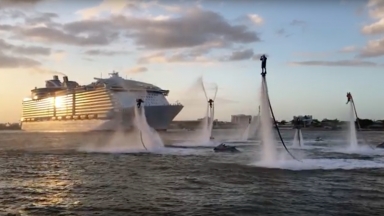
{"points": [[106, 104]]}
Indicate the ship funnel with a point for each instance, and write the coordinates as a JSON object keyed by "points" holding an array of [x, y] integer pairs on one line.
{"points": [[65, 79], [55, 77]]}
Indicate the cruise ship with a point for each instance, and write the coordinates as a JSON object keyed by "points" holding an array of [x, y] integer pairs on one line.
{"points": [[104, 105]]}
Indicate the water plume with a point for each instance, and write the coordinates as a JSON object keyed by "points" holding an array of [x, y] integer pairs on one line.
{"points": [[269, 153], [149, 138], [298, 140], [207, 123], [352, 139]]}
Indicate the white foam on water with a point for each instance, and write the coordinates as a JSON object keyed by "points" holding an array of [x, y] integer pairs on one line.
{"points": [[361, 149], [211, 143], [321, 164], [181, 151]]}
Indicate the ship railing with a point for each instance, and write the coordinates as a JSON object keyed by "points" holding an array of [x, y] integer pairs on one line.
{"points": [[176, 104]]}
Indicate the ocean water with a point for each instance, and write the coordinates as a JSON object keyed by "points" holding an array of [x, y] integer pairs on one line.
{"points": [[88, 174]]}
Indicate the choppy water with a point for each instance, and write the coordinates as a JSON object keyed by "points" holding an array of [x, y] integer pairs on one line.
{"points": [[47, 174]]}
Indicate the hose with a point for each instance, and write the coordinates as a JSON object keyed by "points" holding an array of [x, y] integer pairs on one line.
{"points": [[141, 134], [274, 119], [358, 123], [142, 142]]}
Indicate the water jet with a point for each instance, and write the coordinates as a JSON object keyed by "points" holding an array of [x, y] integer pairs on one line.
{"points": [[352, 127], [149, 138], [298, 123], [269, 149], [209, 116]]}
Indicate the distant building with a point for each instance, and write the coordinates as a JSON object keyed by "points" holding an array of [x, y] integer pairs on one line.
{"points": [[307, 119], [240, 119]]}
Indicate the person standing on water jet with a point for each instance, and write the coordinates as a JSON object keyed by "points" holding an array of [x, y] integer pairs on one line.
{"points": [[210, 101], [349, 96], [263, 60], [139, 102]]}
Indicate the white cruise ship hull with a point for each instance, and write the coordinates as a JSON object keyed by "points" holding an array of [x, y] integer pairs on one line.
{"points": [[158, 117]]}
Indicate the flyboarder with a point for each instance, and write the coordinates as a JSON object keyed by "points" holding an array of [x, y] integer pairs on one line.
{"points": [[210, 101], [349, 96], [138, 102], [263, 60]]}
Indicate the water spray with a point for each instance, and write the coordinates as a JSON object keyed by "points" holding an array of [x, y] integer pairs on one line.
{"points": [[263, 60], [298, 123], [350, 99], [210, 109], [138, 103]]}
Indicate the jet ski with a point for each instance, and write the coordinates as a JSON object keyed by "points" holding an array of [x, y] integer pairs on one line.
{"points": [[224, 148], [318, 139], [380, 145]]}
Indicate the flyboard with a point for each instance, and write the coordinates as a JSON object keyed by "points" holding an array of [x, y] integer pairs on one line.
{"points": [[263, 60], [350, 99]]}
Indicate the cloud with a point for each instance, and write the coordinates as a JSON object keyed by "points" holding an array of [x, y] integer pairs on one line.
{"points": [[58, 56], [256, 19], [24, 50], [18, 3], [314, 54], [282, 33], [52, 35], [175, 57], [240, 55], [187, 36], [7, 61], [41, 70], [125, 7], [188, 57], [348, 49], [299, 23], [111, 6], [98, 52], [137, 69], [41, 18], [374, 28], [342, 63], [193, 28], [374, 48]]}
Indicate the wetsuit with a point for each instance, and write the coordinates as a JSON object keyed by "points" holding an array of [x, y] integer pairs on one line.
{"points": [[263, 60], [139, 101]]}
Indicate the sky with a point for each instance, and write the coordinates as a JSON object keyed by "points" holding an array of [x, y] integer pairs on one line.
{"points": [[317, 52]]}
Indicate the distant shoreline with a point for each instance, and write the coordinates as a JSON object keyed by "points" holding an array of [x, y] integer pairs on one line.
{"points": [[225, 128]]}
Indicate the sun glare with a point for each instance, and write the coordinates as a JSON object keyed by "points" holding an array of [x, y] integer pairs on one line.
{"points": [[59, 102]]}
